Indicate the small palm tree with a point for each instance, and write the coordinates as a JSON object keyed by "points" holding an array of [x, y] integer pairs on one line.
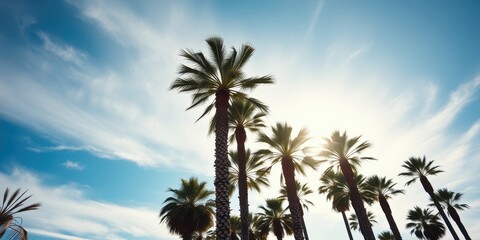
{"points": [[302, 191], [235, 227], [12, 205], [334, 185], [450, 200], [289, 152], [256, 231], [243, 115], [386, 235], [189, 210], [344, 153], [336, 188], [223, 79], [354, 220], [274, 219], [425, 224], [256, 172], [418, 168], [383, 189]]}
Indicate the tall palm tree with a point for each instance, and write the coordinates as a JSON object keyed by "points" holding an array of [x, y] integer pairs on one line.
{"points": [[289, 152], [354, 223], [274, 219], [336, 188], [242, 116], [302, 191], [221, 78], [12, 205], [425, 224], [344, 152], [383, 189], [450, 200], [189, 210], [418, 168], [386, 235]]}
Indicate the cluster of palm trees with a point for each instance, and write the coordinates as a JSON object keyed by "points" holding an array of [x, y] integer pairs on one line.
{"points": [[220, 82]]}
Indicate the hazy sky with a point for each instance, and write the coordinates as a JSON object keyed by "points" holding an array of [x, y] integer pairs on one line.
{"points": [[88, 125]]}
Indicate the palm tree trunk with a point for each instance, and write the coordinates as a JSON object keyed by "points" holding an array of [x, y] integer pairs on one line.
{"points": [[305, 233], [288, 170], [187, 236], [222, 202], [241, 136], [429, 189], [453, 213], [357, 202], [345, 220], [388, 213]]}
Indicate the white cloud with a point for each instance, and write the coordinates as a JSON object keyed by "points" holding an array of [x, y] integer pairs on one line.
{"points": [[73, 165], [66, 213], [66, 52]]}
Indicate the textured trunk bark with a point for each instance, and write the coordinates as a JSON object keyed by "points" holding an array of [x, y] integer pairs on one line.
{"points": [[222, 202], [429, 189], [288, 170], [388, 213], [241, 136], [357, 202], [453, 213], [345, 220], [305, 233]]}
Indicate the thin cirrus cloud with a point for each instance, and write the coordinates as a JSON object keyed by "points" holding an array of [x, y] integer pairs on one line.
{"points": [[71, 215]]}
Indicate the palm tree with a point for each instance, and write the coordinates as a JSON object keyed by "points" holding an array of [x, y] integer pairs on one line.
{"points": [[386, 235], [256, 172], [302, 191], [256, 231], [12, 205], [288, 151], [383, 189], [235, 227], [344, 153], [450, 200], [336, 188], [274, 219], [418, 168], [354, 220], [189, 210], [222, 79], [425, 224], [242, 116]]}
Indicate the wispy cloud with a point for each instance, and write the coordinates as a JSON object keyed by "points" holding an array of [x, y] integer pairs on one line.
{"points": [[73, 165], [64, 51], [315, 16], [66, 213]]}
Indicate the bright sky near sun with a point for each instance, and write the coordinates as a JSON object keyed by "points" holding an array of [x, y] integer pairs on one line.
{"points": [[88, 125]]}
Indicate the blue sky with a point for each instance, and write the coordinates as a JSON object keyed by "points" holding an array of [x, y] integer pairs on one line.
{"points": [[88, 125]]}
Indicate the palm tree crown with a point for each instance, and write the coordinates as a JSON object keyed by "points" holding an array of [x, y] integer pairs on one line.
{"points": [[189, 210], [386, 235], [12, 205], [257, 173], [417, 168], [354, 224], [425, 224], [274, 219]]}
